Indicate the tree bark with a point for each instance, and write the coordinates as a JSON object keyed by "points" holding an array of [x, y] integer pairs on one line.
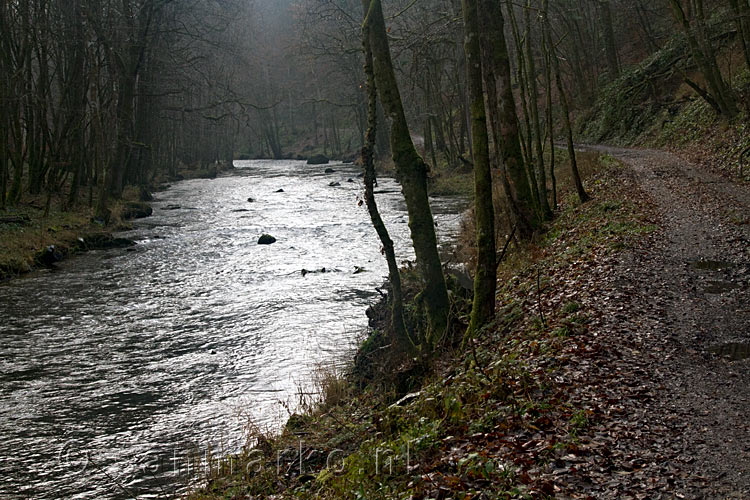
{"points": [[498, 80], [485, 279], [608, 32], [412, 172], [541, 176], [742, 14], [401, 336]]}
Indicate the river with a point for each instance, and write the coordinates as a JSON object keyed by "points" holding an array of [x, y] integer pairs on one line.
{"points": [[121, 365]]}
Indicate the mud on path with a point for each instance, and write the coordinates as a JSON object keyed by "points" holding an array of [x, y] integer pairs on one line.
{"points": [[674, 327]]}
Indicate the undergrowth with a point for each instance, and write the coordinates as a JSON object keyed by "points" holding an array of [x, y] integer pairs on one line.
{"points": [[651, 105]]}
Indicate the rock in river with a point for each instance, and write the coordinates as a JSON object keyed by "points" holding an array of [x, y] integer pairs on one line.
{"points": [[99, 241], [135, 210], [49, 256], [318, 160], [330, 171], [266, 239]]}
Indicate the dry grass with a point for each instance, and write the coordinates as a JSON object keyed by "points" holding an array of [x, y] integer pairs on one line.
{"points": [[20, 243]]}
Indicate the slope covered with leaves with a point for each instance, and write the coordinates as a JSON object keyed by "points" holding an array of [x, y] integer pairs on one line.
{"points": [[517, 413]]}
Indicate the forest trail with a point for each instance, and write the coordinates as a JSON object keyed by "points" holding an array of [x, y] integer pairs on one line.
{"points": [[674, 313]]}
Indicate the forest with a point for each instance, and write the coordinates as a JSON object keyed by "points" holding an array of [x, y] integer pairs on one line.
{"points": [[545, 204]]}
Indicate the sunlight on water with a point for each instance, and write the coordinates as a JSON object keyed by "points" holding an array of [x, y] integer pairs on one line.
{"points": [[120, 365]]}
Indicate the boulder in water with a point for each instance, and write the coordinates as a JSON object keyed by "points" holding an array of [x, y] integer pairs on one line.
{"points": [[334, 184], [330, 171], [49, 256], [322, 270], [172, 207], [250, 200], [279, 190], [350, 158], [318, 160], [136, 210], [100, 241], [266, 239]]}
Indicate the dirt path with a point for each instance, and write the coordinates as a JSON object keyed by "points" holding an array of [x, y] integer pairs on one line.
{"points": [[677, 424]]}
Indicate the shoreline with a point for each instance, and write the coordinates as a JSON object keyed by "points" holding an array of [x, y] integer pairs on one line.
{"points": [[380, 406], [26, 235]]}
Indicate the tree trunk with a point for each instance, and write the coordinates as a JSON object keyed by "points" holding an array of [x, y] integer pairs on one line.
{"points": [[541, 176], [502, 110], [582, 195], [608, 32], [485, 279], [382, 137], [401, 336], [705, 58], [547, 48], [412, 172], [742, 15], [522, 83]]}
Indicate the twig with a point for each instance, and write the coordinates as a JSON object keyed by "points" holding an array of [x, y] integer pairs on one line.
{"points": [[539, 297], [501, 255], [476, 361], [742, 161], [111, 478]]}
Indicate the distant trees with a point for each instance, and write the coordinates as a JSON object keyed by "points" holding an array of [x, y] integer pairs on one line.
{"points": [[93, 92]]}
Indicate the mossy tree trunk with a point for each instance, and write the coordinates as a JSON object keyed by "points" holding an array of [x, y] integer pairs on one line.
{"points": [[412, 172], [526, 141], [502, 109], [549, 109], [485, 278], [400, 333]]}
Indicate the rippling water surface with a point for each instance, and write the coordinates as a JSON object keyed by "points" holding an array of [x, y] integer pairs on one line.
{"points": [[120, 365]]}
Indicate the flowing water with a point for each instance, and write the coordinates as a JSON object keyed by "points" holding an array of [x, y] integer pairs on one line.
{"points": [[122, 368]]}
